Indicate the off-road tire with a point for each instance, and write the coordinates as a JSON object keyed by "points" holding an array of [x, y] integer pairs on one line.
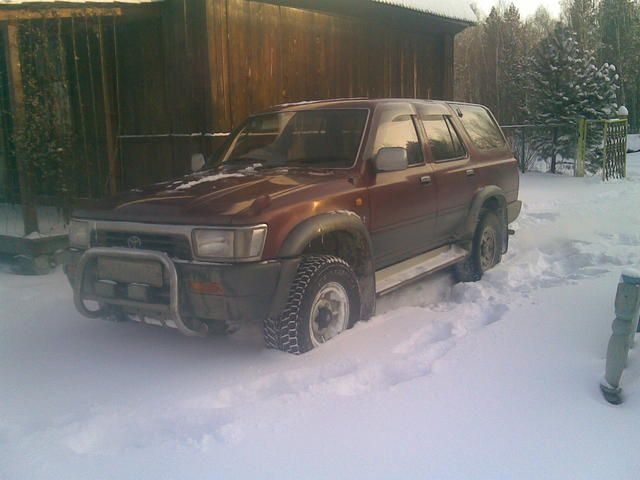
{"points": [[472, 269], [291, 331]]}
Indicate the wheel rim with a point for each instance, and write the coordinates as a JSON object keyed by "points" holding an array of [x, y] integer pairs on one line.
{"points": [[487, 249], [329, 313]]}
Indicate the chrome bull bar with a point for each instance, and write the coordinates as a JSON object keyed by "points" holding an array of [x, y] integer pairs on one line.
{"points": [[126, 253]]}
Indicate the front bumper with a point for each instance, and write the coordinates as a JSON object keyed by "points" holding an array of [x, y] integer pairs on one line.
{"points": [[243, 292]]}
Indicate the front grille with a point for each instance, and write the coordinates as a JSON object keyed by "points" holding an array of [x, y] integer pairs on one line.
{"points": [[176, 246]]}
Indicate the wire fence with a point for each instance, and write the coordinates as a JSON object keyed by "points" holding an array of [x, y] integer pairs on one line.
{"points": [[536, 146]]}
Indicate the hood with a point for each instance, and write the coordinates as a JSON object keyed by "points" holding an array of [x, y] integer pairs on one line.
{"points": [[211, 197]]}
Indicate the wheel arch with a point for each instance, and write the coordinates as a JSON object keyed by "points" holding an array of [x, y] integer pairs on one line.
{"points": [[344, 235], [490, 197]]}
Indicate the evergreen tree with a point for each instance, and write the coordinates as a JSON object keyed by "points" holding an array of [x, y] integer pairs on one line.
{"points": [[619, 22], [566, 84]]}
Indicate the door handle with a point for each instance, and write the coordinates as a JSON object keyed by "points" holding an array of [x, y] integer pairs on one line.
{"points": [[426, 180], [471, 172]]}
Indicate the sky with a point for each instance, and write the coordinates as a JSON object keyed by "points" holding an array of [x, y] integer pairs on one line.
{"points": [[526, 7]]}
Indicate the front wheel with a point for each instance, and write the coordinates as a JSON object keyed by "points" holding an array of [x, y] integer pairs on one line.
{"points": [[324, 301], [486, 251]]}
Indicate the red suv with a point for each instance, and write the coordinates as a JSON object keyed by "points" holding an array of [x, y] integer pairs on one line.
{"points": [[305, 215]]}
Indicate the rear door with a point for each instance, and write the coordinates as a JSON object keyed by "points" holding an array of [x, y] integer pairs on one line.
{"points": [[454, 173], [492, 156], [403, 204]]}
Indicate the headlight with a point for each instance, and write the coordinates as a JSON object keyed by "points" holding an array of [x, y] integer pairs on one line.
{"points": [[241, 244], [79, 234]]}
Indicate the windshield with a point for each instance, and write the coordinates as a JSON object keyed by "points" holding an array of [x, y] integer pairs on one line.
{"points": [[314, 138]]}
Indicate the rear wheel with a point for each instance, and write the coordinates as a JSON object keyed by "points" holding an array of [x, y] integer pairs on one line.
{"points": [[324, 301], [486, 251]]}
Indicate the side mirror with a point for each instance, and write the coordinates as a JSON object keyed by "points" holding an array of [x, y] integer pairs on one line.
{"points": [[391, 159], [197, 162]]}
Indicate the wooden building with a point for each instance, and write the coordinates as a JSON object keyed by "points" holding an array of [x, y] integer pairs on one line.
{"points": [[101, 96]]}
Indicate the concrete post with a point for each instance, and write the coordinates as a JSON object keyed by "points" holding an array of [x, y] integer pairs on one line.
{"points": [[624, 328]]}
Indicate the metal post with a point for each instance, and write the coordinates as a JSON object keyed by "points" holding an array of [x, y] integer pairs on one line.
{"points": [[582, 147], [554, 156], [626, 139], [623, 114], [605, 160], [523, 138]]}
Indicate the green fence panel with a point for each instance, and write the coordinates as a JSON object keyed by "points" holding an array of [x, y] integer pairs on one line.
{"points": [[614, 162]]}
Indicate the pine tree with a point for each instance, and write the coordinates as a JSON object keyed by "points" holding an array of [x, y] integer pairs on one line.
{"points": [[566, 84], [619, 22]]}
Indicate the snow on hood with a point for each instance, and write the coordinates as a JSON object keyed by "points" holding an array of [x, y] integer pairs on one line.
{"points": [[208, 178]]}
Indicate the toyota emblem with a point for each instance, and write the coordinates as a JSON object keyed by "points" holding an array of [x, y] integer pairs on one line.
{"points": [[134, 242]]}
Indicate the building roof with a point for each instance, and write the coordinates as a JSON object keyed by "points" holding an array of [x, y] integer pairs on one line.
{"points": [[23, 2], [456, 10], [453, 9]]}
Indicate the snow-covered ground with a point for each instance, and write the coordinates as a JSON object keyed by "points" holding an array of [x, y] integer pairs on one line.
{"points": [[494, 380]]}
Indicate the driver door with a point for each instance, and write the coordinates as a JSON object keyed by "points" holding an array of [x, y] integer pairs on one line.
{"points": [[403, 203]]}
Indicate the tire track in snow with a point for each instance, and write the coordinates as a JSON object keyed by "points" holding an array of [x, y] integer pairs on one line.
{"points": [[399, 345]]}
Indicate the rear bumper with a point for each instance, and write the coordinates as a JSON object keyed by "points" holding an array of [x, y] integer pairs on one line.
{"points": [[513, 211], [239, 292]]}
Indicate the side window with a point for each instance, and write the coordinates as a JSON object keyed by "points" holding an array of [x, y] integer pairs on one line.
{"points": [[443, 138], [400, 132], [484, 132]]}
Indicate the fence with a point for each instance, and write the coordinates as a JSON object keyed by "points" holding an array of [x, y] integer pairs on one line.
{"points": [[544, 147], [587, 145], [603, 143]]}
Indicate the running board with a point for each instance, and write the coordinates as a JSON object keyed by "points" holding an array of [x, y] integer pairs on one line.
{"points": [[395, 276]]}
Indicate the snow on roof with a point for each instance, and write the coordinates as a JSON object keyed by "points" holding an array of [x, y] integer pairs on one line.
{"points": [[454, 9], [22, 2]]}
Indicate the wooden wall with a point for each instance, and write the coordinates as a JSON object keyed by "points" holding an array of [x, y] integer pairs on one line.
{"points": [[261, 54], [205, 65]]}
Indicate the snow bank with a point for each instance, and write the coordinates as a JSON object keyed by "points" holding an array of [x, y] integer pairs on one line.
{"points": [[497, 379], [633, 143]]}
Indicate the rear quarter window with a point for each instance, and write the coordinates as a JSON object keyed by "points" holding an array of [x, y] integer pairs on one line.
{"points": [[482, 128]]}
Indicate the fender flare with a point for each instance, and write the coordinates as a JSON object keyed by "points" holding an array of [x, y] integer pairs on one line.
{"points": [[322, 224], [317, 226], [484, 194]]}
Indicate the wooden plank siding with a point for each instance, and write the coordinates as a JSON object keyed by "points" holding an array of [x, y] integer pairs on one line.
{"points": [[227, 59], [142, 81], [277, 54]]}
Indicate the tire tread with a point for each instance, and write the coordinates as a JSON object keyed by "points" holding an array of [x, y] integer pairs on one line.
{"points": [[283, 332]]}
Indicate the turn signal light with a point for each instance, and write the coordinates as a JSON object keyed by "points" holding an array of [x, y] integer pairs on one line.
{"points": [[206, 288]]}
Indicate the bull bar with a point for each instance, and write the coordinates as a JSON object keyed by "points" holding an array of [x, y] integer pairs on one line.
{"points": [[173, 309]]}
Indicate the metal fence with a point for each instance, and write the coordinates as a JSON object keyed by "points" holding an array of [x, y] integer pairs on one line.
{"points": [[602, 144], [535, 146]]}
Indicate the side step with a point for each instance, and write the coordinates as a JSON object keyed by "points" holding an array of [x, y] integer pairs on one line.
{"points": [[398, 275]]}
